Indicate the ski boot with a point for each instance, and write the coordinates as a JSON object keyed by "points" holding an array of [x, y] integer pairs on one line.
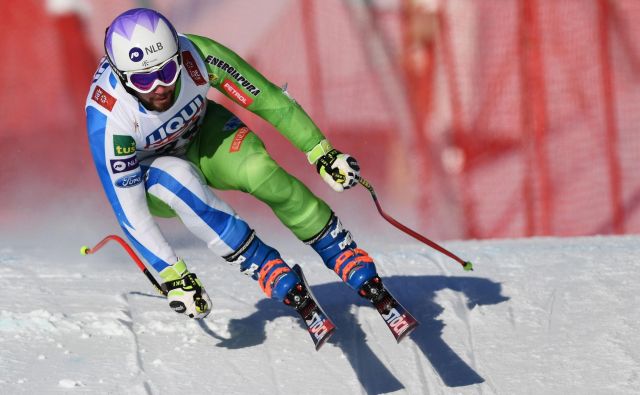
{"points": [[341, 254], [264, 264], [356, 268], [278, 281]]}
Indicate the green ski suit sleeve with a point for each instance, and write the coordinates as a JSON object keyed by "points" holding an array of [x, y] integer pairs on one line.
{"points": [[235, 78]]}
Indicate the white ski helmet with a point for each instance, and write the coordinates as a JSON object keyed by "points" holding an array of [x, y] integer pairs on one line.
{"points": [[139, 39]]}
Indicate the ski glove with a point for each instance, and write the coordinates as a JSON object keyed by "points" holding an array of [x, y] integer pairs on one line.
{"points": [[184, 291], [338, 170]]}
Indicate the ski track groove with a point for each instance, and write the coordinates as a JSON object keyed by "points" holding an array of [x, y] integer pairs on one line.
{"points": [[233, 296], [421, 368], [624, 350], [512, 317], [464, 316], [236, 369], [352, 342], [357, 344], [325, 364], [141, 373], [382, 354], [472, 356], [550, 309], [274, 376], [436, 383], [363, 343]]}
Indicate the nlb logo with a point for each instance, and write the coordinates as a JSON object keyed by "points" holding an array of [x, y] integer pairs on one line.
{"points": [[122, 165], [178, 124], [129, 181], [135, 54], [153, 48]]}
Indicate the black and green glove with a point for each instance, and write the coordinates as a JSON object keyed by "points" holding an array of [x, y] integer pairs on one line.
{"points": [[185, 292]]}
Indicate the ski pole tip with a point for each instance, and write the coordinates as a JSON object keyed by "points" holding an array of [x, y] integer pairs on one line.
{"points": [[468, 266], [84, 250]]}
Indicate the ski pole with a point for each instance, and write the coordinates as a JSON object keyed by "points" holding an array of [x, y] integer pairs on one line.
{"points": [[466, 265], [84, 250]]}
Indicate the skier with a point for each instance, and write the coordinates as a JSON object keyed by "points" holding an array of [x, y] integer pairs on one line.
{"points": [[158, 145]]}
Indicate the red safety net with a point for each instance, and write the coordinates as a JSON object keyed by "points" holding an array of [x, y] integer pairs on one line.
{"points": [[45, 74], [472, 119], [544, 109], [514, 119]]}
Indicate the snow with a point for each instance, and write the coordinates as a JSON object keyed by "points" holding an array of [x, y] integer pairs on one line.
{"points": [[537, 316]]}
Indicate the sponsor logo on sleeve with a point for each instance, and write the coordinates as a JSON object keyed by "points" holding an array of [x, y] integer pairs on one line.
{"points": [[243, 81], [122, 165], [123, 145], [236, 94], [238, 139], [103, 98], [129, 181], [192, 68]]}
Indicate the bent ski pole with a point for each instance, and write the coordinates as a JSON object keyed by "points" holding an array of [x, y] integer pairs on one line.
{"points": [[84, 250], [466, 265]]}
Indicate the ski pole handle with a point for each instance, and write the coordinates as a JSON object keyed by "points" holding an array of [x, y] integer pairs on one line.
{"points": [[466, 265], [84, 250]]}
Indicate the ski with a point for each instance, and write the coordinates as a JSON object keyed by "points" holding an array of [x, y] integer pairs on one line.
{"points": [[318, 323], [399, 321]]}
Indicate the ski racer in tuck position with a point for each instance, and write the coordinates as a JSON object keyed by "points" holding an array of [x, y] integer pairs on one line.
{"points": [[159, 145]]}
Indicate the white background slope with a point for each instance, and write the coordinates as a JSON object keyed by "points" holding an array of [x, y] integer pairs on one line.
{"points": [[538, 316]]}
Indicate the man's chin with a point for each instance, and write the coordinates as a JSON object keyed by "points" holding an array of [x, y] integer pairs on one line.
{"points": [[162, 105]]}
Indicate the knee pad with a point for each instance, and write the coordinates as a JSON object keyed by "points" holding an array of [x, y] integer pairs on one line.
{"points": [[341, 254], [264, 264]]}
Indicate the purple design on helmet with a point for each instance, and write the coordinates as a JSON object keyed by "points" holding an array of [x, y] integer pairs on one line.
{"points": [[125, 23]]}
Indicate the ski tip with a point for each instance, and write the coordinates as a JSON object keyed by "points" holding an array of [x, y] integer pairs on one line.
{"points": [[322, 341], [84, 250], [468, 266], [407, 332]]}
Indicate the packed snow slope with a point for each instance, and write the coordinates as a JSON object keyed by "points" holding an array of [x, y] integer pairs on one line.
{"points": [[537, 316]]}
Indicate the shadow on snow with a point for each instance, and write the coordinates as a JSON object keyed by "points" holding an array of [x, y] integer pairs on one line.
{"points": [[416, 293]]}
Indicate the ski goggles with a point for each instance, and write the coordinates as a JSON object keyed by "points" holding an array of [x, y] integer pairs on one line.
{"points": [[164, 74]]}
